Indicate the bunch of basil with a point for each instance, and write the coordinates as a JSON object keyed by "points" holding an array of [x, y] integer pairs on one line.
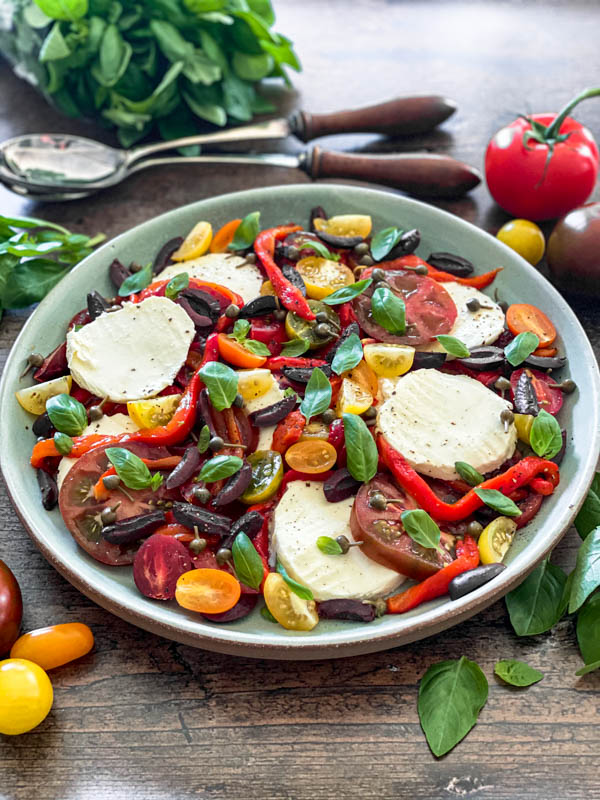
{"points": [[156, 67]]}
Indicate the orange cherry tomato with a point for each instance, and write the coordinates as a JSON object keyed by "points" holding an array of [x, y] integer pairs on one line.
{"points": [[236, 353], [522, 317], [208, 591], [545, 352], [311, 456], [364, 376], [224, 236], [54, 646], [177, 530]]}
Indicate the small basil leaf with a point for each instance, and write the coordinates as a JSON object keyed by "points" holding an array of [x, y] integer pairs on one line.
{"points": [[586, 575], [421, 528], [535, 606], [156, 481], [203, 439], [63, 443], [453, 346], [266, 614], [317, 396], [348, 354], [67, 414], [256, 347], [221, 382], [241, 329], [521, 347], [347, 293], [302, 591], [130, 468], [220, 467], [384, 241], [248, 564], [588, 629], [176, 285], [136, 282], [545, 436], [468, 473], [246, 232], [329, 546], [63, 9], [499, 502], [318, 247], [389, 311], [289, 392], [517, 673], [589, 514], [294, 348], [360, 447], [588, 668]]}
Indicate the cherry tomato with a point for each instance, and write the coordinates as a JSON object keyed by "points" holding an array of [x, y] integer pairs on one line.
{"points": [[209, 591], [322, 276], [311, 456], [270, 332], [224, 236], [521, 317], [290, 611], [525, 238], [573, 249], [235, 353], [529, 508], [345, 225], [496, 539], [11, 608], [54, 646], [546, 352], [365, 376], [267, 472], [26, 696], [196, 243], [550, 399]]}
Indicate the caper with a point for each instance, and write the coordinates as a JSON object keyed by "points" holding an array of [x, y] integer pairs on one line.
{"points": [[293, 253], [322, 316], [232, 311], [108, 516], [328, 416], [223, 555], [198, 545], [507, 418], [135, 267], [567, 386], [378, 274], [474, 529], [382, 285], [361, 249], [95, 413], [35, 360], [111, 482], [238, 401], [370, 413], [216, 443], [280, 314], [378, 501], [250, 258], [366, 261], [343, 542], [502, 384], [322, 330], [473, 304], [421, 270], [201, 494]]}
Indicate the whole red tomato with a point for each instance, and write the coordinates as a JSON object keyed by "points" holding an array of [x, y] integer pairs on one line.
{"points": [[11, 609]]}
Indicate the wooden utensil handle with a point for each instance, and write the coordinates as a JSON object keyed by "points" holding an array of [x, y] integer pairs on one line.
{"points": [[421, 175], [404, 115]]}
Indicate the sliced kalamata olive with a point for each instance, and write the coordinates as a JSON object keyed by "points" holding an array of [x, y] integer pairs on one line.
{"points": [[525, 399], [201, 323], [449, 262], [302, 374], [203, 303], [259, 307], [339, 241], [118, 273], [294, 277], [407, 244], [235, 486], [353, 610], [318, 212], [241, 609], [340, 486], [96, 304], [206, 522], [42, 426], [54, 365], [472, 579], [186, 469], [129, 530], [48, 489], [428, 360], [203, 411], [561, 453], [546, 362], [271, 415], [352, 328], [249, 523], [163, 257], [483, 358]]}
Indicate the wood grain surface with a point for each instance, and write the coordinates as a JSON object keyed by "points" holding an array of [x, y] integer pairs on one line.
{"points": [[141, 717]]}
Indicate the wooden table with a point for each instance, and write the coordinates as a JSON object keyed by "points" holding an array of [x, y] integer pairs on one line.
{"points": [[144, 717]]}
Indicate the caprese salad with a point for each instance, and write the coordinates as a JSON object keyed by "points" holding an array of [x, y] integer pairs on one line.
{"points": [[312, 415]]}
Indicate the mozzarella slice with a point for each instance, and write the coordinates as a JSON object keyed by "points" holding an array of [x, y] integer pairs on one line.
{"points": [[118, 423], [435, 419], [302, 515], [132, 353], [228, 270], [273, 395], [473, 328]]}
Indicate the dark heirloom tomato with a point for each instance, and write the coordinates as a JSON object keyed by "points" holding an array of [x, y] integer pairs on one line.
{"points": [[430, 310], [550, 399], [573, 249], [383, 536], [11, 609]]}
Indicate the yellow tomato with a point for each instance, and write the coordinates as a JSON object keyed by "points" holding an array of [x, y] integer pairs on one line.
{"points": [[253, 383], [322, 276], [525, 238], [290, 611], [389, 360], [54, 646], [154, 412], [364, 376], [312, 456], [353, 399], [267, 288], [495, 540], [523, 423], [34, 398], [196, 243], [25, 696], [345, 225]]}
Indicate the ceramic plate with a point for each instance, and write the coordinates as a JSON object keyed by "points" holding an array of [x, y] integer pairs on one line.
{"points": [[113, 587]]}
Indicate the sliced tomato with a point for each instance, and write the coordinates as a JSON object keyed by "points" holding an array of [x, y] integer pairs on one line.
{"points": [[224, 236], [529, 506], [268, 331], [550, 399], [235, 353], [522, 317]]}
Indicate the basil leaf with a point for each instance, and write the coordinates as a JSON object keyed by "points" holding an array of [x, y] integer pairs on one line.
{"points": [[317, 396], [302, 591], [421, 528], [31, 280], [347, 293], [588, 629], [468, 473], [63, 443], [176, 285], [318, 247], [517, 673], [588, 668], [389, 311], [131, 469], [266, 614], [348, 354], [451, 695], [545, 436], [360, 447], [67, 414], [246, 232], [256, 347], [586, 575], [589, 513], [136, 282], [453, 346], [535, 606], [241, 329], [63, 9], [329, 546], [294, 348], [203, 439], [384, 241], [220, 467], [496, 500], [221, 382], [521, 347], [248, 564]]}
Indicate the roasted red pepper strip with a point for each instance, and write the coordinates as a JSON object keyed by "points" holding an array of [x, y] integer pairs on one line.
{"points": [[173, 432], [467, 557], [410, 262], [157, 289], [278, 362], [288, 431], [290, 296], [523, 473]]}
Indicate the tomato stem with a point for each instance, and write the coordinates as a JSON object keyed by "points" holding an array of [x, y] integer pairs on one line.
{"points": [[553, 129]]}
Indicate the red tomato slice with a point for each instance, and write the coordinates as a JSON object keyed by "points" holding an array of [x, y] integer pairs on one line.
{"points": [[550, 399]]}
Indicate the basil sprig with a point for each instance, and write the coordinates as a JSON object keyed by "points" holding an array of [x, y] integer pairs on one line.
{"points": [[203, 439], [294, 348], [240, 332], [384, 241], [246, 232], [136, 282], [499, 502], [132, 470], [545, 436], [220, 467], [347, 355], [537, 604], [453, 346], [360, 448], [63, 443], [517, 673], [177, 284], [248, 564], [317, 396], [319, 248], [329, 546], [389, 311], [421, 528], [67, 414], [521, 347], [302, 591], [347, 293], [221, 382], [468, 473]]}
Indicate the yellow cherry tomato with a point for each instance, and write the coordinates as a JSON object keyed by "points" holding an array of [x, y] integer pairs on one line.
{"points": [[311, 456], [389, 360], [25, 696], [322, 276], [253, 383], [525, 238], [345, 225], [54, 646], [364, 376], [34, 398], [353, 399], [196, 243], [495, 540], [267, 288], [523, 423], [154, 412], [290, 611], [315, 430]]}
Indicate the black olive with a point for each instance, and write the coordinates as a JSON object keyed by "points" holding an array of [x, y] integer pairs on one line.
{"points": [[235, 486], [42, 426], [302, 374], [163, 257], [472, 579], [201, 322], [249, 523], [486, 357], [544, 362], [48, 489], [204, 411], [186, 469], [407, 244], [449, 262], [202, 303], [353, 610], [340, 486], [118, 273], [259, 307], [96, 304], [129, 530], [232, 311], [428, 360], [318, 212], [241, 609], [524, 396], [206, 521], [340, 241], [294, 277], [271, 415]]}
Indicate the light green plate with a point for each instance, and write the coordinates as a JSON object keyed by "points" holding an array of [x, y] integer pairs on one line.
{"points": [[113, 588]]}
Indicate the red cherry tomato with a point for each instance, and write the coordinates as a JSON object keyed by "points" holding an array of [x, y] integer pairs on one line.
{"points": [[270, 332], [11, 609]]}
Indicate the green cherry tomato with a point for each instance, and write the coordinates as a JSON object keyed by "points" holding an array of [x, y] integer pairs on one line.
{"points": [[25, 696], [267, 474], [525, 238]]}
